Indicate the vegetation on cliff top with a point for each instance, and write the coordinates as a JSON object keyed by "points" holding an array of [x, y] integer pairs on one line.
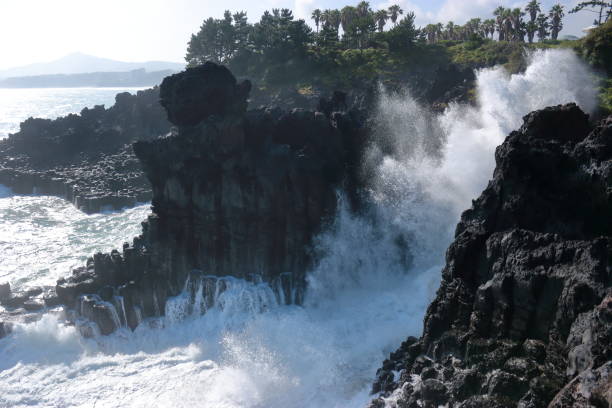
{"points": [[350, 48], [351, 44]]}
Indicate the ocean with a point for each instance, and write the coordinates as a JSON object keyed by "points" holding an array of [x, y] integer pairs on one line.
{"points": [[362, 299]]}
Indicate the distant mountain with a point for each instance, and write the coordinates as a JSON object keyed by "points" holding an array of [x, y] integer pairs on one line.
{"points": [[79, 63], [138, 77]]}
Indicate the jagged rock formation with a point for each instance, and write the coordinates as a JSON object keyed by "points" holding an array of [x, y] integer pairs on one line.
{"points": [[523, 316], [235, 193], [86, 158]]}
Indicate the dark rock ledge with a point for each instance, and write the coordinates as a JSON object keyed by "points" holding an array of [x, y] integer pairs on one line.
{"points": [[236, 194], [87, 158], [523, 317]]}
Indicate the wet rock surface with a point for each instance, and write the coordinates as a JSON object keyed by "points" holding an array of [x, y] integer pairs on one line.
{"points": [[24, 305], [88, 158], [523, 316], [238, 194]]}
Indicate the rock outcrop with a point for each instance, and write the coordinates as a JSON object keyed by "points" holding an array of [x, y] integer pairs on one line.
{"points": [[523, 316], [235, 193], [86, 158]]}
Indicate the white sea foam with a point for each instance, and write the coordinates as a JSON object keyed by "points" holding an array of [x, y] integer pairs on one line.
{"points": [[42, 238], [368, 292]]}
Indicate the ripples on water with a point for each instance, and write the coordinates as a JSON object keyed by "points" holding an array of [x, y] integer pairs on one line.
{"points": [[16, 105], [42, 238]]}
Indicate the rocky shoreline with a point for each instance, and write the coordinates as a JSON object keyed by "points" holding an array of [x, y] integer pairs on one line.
{"points": [[523, 316], [261, 184], [86, 158]]}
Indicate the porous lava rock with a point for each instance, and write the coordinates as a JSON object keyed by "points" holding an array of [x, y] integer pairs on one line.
{"points": [[523, 316]]}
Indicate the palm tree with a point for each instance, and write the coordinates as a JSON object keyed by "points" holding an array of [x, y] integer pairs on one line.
{"points": [[516, 18], [499, 20], [363, 8], [347, 16], [430, 32], [325, 17], [472, 27], [450, 30], [531, 28], [439, 30], [542, 23], [334, 19], [489, 27], [556, 15], [508, 25], [381, 17], [316, 16], [533, 8], [394, 12]]}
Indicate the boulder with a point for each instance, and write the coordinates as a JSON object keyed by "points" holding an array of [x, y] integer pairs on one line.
{"points": [[5, 291], [197, 93]]}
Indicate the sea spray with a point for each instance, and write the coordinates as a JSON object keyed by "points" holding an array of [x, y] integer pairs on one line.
{"points": [[366, 294], [42, 238]]}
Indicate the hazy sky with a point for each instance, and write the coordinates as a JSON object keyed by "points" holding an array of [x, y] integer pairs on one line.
{"points": [[141, 30]]}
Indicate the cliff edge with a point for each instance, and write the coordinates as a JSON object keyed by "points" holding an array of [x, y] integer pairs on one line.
{"points": [[523, 316]]}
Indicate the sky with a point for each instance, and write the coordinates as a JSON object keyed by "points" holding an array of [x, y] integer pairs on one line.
{"points": [[144, 30]]}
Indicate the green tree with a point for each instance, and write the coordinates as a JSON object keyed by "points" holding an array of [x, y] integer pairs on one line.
{"points": [[348, 15], [499, 14], [331, 24], [543, 26], [473, 27], [277, 36], [206, 45], [556, 15], [531, 28], [316, 16], [533, 8], [334, 19], [363, 9], [508, 25], [394, 12], [430, 33], [450, 30], [381, 17], [518, 25], [489, 27], [403, 35]]}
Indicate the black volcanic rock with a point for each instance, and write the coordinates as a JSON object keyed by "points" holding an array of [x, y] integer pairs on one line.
{"points": [[238, 194], [5, 291], [86, 158], [522, 316], [196, 93]]}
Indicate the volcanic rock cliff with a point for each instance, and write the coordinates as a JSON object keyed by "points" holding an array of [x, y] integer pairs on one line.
{"points": [[523, 316], [235, 193]]}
